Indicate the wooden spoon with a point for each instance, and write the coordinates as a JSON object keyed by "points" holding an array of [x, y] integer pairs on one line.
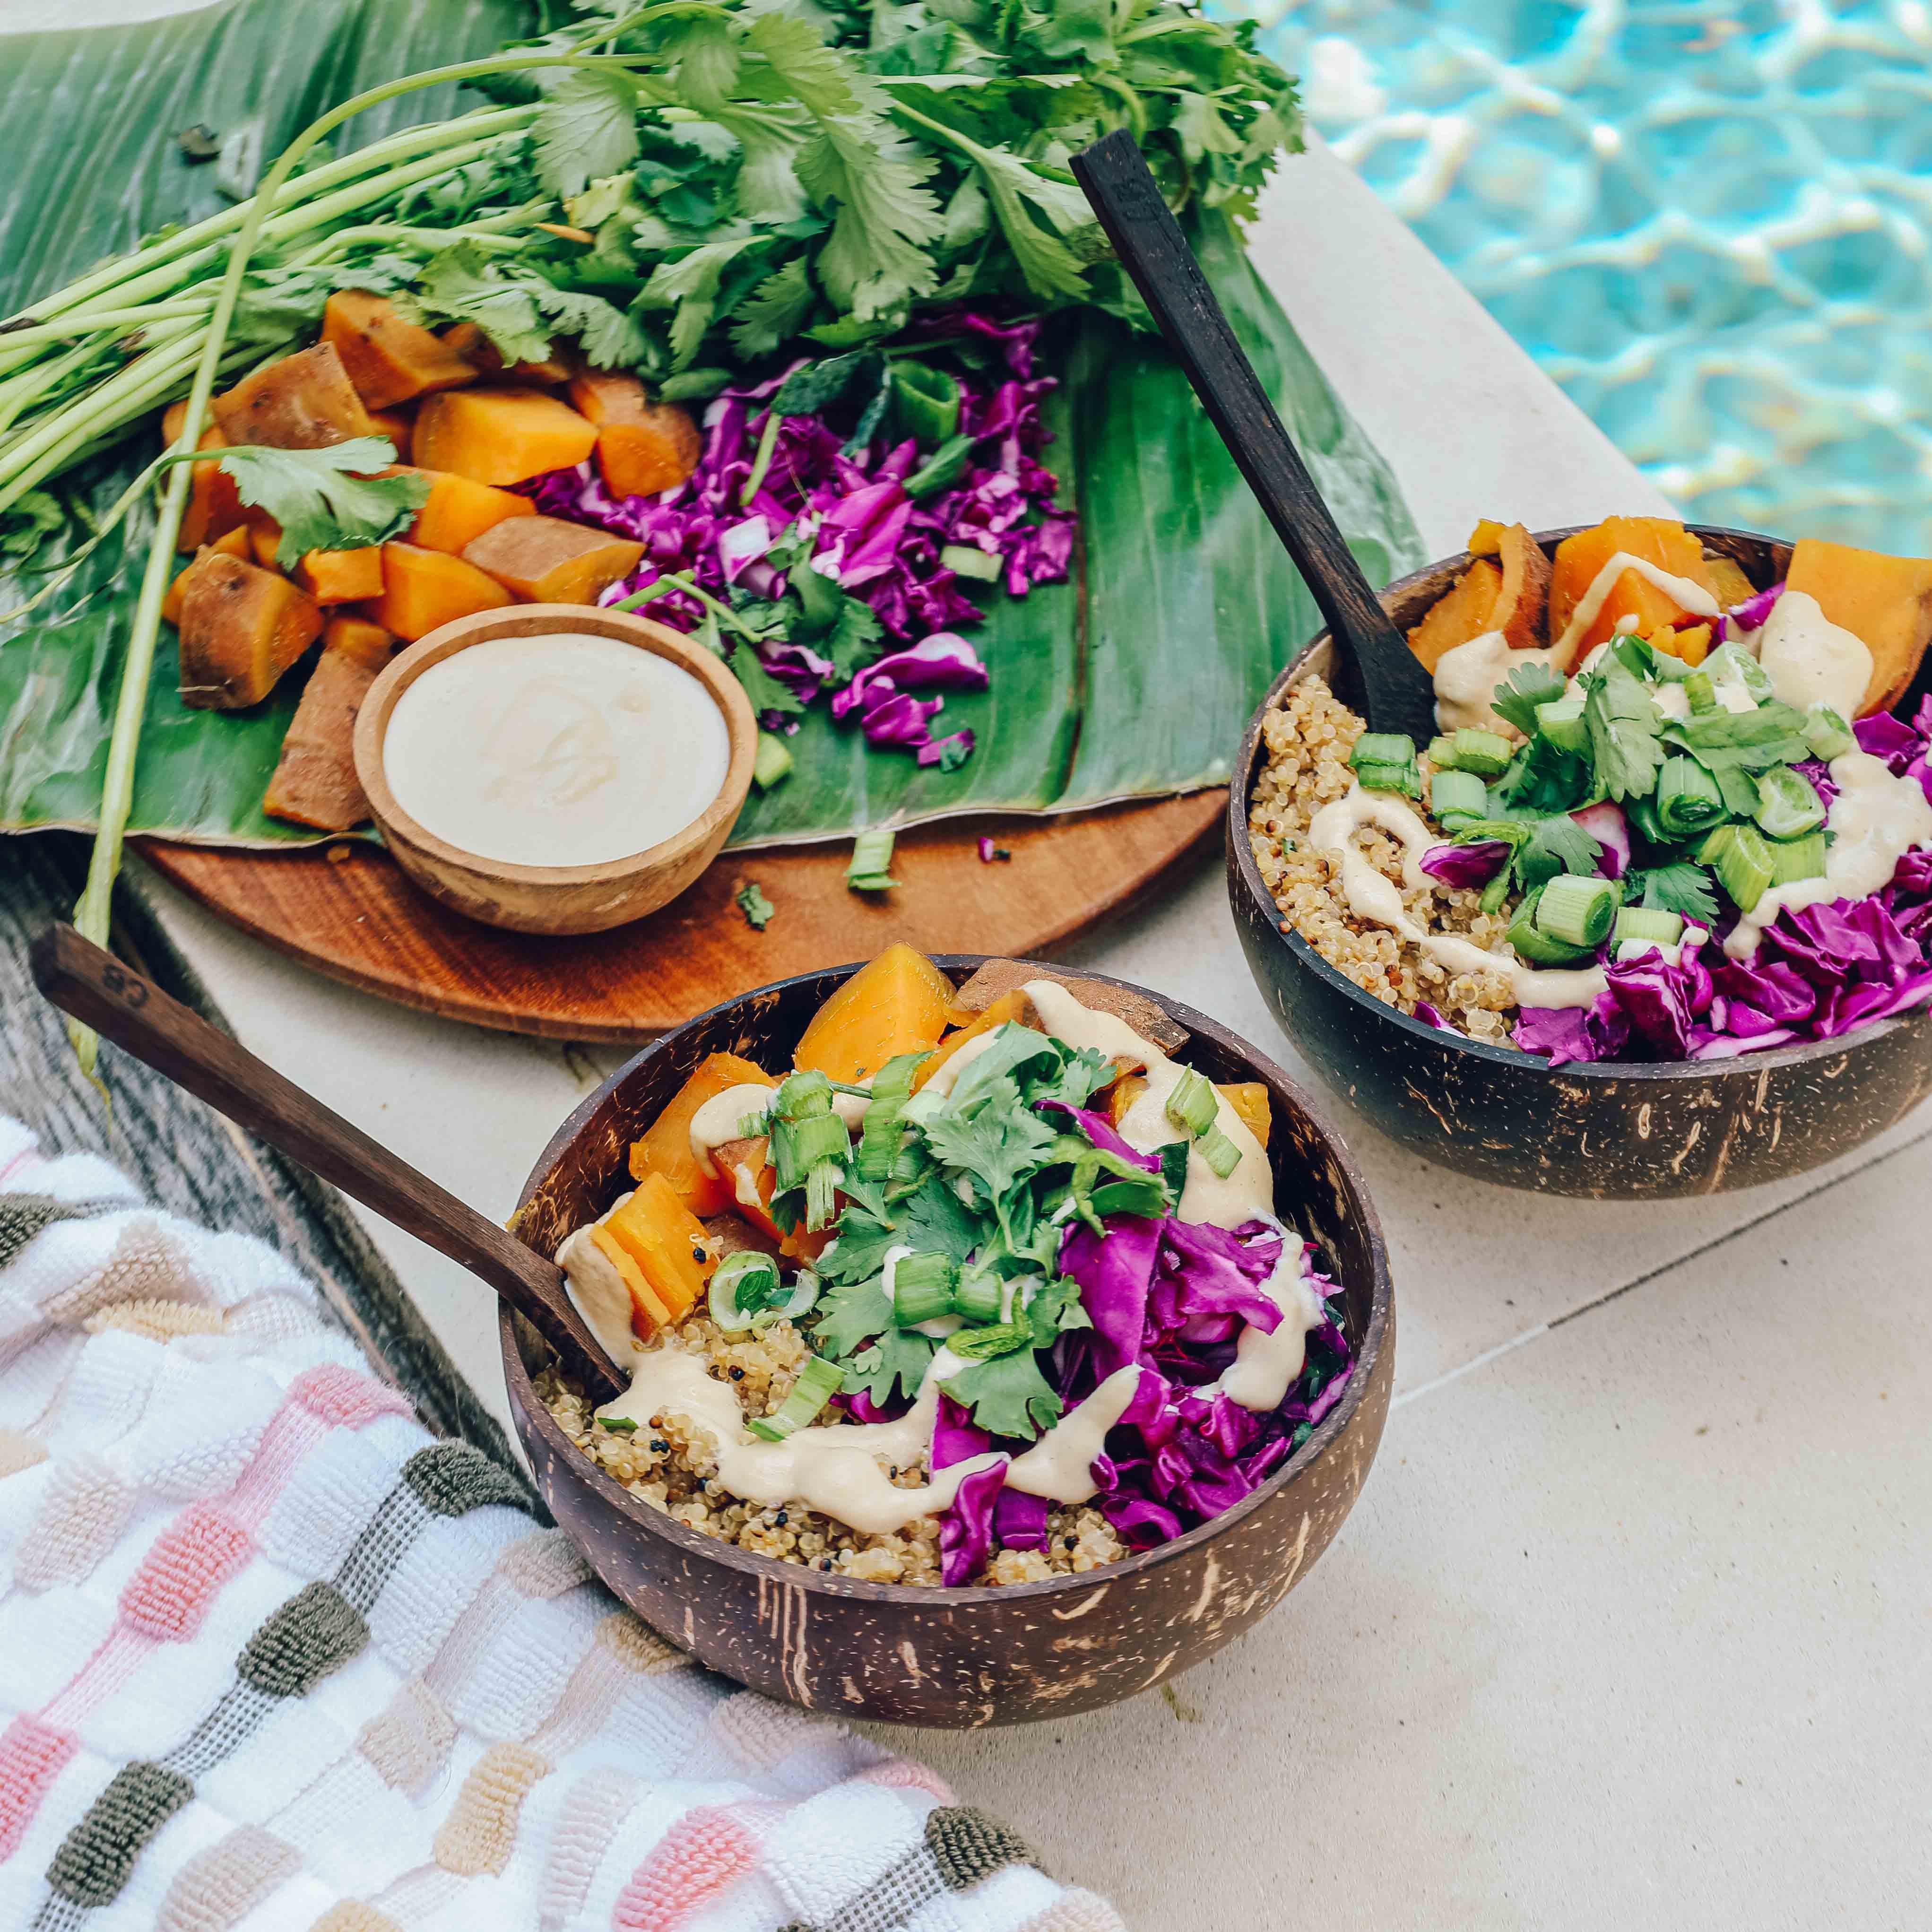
{"points": [[121, 1006], [1389, 686]]}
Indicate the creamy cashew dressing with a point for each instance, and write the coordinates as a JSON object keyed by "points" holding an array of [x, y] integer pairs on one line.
{"points": [[1060, 1466], [1681, 591], [561, 749], [1372, 898], [1247, 1193], [1876, 820], [722, 1118], [598, 1289], [1810, 660], [1265, 1366]]}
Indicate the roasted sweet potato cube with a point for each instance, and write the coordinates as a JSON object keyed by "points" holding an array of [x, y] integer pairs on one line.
{"points": [[1460, 613], [303, 401], [546, 560], [664, 1146], [642, 447], [666, 1241], [230, 543], [315, 781], [997, 977], [399, 426], [213, 504], [1884, 601], [1523, 596], [423, 590], [1728, 584], [361, 638], [1692, 643], [389, 359], [1658, 540], [264, 539], [470, 342], [342, 576], [500, 436], [1250, 1100], [241, 627], [1486, 539], [458, 512]]}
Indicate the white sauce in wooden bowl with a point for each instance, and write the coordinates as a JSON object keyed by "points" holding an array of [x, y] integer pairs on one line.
{"points": [[561, 749]]}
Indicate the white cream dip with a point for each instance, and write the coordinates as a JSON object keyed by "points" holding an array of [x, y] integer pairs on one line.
{"points": [[1374, 898], [1876, 820], [1810, 660], [560, 749]]}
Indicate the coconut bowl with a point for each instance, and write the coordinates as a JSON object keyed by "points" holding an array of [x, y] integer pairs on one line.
{"points": [[973, 1656], [1621, 1131], [554, 899]]}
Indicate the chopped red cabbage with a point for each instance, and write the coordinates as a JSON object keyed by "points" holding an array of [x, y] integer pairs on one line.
{"points": [[1467, 867], [1606, 823]]}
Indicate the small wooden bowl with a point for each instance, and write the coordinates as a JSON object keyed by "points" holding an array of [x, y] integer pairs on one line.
{"points": [[968, 1657], [1617, 1131], [555, 898]]}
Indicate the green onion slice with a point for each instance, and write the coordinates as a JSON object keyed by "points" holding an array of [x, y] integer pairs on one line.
{"points": [[1688, 799], [1794, 858], [1219, 1152], [1827, 734], [1743, 865], [818, 1381], [879, 1136], [922, 1287], [1487, 753], [1441, 754], [1001, 1338], [1193, 1104], [1576, 910], [1787, 806], [1648, 922], [1699, 690], [772, 761], [743, 1285], [869, 869], [1562, 722], [979, 1298], [1458, 794]]}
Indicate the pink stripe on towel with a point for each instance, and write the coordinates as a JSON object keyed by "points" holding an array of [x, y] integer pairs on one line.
{"points": [[706, 1852], [32, 1755], [166, 1598]]}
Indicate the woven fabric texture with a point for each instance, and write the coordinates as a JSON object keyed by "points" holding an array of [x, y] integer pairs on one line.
{"points": [[272, 1657]]}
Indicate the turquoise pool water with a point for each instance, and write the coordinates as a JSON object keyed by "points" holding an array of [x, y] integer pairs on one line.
{"points": [[1711, 224]]}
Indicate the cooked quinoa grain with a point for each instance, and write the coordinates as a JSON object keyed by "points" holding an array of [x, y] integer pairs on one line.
{"points": [[1309, 736], [672, 1464]]}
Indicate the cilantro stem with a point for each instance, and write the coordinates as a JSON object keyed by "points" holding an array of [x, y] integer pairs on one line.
{"points": [[767, 442], [662, 586]]}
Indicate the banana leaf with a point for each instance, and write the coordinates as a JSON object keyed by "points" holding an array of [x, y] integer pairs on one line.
{"points": [[1133, 679]]}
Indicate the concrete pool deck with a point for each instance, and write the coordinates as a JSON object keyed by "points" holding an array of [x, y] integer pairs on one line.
{"points": [[1630, 1627]]}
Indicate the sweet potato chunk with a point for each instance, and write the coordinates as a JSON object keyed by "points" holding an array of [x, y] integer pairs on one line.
{"points": [[998, 976], [241, 628], [642, 447], [230, 543], [664, 1146], [213, 504], [1461, 613], [315, 781], [389, 359], [546, 560], [500, 436], [895, 1003], [358, 638], [398, 425], [458, 512], [423, 590], [1657, 540], [303, 401], [1524, 594], [264, 539], [1692, 643], [1884, 601], [1008, 1006], [666, 1241], [1728, 584], [342, 576], [1250, 1100]]}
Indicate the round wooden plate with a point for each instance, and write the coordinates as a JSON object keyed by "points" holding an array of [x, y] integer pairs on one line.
{"points": [[347, 911]]}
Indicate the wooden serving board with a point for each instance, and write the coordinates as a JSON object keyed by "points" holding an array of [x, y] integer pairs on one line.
{"points": [[347, 911]]}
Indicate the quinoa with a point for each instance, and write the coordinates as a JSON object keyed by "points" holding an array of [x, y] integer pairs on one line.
{"points": [[1309, 736], [672, 1464]]}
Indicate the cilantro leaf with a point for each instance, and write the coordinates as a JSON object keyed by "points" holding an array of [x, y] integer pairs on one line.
{"points": [[1555, 844], [319, 499], [774, 312], [457, 285], [854, 640], [1008, 1395], [1526, 687], [932, 1217], [586, 126], [1625, 730], [688, 287], [765, 692], [1056, 1306], [998, 1145], [1682, 888], [850, 1313], [609, 338], [899, 1357]]}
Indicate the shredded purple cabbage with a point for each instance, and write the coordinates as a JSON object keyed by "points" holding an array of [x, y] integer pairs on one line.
{"points": [[868, 536], [1606, 823], [1468, 867], [1749, 616]]}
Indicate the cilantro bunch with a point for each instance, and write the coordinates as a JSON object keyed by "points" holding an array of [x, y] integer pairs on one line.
{"points": [[964, 1196]]}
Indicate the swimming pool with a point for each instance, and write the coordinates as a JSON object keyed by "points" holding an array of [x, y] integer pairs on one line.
{"points": [[1711, 224]]}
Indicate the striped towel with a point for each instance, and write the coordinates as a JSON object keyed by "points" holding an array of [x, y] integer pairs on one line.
{"points": [[271, 1656]]}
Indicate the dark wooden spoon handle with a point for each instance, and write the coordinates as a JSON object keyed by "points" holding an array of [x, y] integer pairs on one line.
{"points": [[1394, 690], [121, 1006]]}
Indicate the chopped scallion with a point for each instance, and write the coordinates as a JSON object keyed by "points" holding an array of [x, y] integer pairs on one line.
{"points": [[1576, 910], [741, 1286], [1219, 1152], [1731, 664], [818, 1381], [1458, 794], [1794, 858], [1828, 734], [1699, 690], [1406, 779], [772, 760], [1441, 754], [1742, 861], [1532, 944], [1688, 800], [1383, 748], [1487, 753], [968, 560], [922, 1287], [1648, 922], [979, 1298], [880, 1134], [1562, 722], [1192, 1104], [1787, 806], [1002, 1338], [1495, 891], [869, 868]]}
